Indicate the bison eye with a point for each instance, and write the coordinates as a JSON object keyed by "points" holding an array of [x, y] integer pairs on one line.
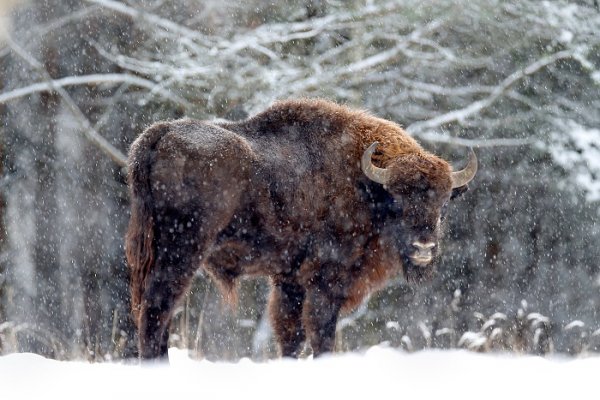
{"points": [[396, 208], [397, 202], [457, 192]]}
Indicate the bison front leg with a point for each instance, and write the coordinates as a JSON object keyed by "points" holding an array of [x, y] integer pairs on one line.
{"points": [[320, 317], [285, 308], [325, 295]]}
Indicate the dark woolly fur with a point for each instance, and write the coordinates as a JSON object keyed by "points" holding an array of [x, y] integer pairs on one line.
{"points": [[282, 195]]}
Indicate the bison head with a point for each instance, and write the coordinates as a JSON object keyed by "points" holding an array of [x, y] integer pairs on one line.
{"points": [[419, 186]]}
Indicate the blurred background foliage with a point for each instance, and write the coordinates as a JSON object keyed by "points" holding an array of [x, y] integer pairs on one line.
{"points": [[517, 80]]}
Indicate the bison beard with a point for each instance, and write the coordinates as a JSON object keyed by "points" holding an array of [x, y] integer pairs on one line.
{"points": [[327, 201]]}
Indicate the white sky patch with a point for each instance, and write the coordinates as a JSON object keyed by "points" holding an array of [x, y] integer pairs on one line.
{"points": [[577, 149], [378, 373]]}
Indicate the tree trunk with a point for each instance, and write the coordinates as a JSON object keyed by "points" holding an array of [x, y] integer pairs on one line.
{"points": [[3, 232], [3, 236], [46, 246]]}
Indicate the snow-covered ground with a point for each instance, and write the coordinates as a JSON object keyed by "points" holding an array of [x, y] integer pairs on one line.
{"points": [[378, 373]]}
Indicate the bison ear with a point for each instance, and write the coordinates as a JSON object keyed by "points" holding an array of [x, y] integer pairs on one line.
{"points": [[457, 192]]}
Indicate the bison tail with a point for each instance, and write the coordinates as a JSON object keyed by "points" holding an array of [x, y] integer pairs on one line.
{"points": [[139, 246]]}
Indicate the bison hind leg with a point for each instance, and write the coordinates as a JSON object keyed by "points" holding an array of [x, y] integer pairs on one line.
{"points": [[177, 259], [285, 309]]}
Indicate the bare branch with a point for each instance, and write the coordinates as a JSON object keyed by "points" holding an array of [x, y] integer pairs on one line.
{"points": [[457, 115], [368, 63], [496, 142], [92, 79], [88, 130], [285, 32]]}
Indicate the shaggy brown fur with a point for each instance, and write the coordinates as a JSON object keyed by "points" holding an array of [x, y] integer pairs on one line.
{"points": [[282, 195]]}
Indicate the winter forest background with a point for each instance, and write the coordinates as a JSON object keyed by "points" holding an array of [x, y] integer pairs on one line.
{"points": [[517, 80]]}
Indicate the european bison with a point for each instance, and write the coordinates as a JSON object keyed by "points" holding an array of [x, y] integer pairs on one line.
{"points": [[327, 201]]}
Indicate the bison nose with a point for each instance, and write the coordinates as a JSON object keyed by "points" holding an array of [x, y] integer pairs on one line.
{"points": [[423, 255], [424, 246]]}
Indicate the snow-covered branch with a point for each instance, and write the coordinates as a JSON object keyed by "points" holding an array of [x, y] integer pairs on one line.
{"points": [[457, 141], [269, 34], [93, 79], [476, 107], [353, 49]]}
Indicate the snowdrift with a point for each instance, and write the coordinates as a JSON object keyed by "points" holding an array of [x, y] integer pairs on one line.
{"points": [[377, 373]]}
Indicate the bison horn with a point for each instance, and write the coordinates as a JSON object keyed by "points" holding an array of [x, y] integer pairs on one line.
{"points": [[376, 174], [465, 175]]}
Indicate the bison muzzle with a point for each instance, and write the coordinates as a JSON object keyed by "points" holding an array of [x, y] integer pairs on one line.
{"points": [[327, 201]]}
